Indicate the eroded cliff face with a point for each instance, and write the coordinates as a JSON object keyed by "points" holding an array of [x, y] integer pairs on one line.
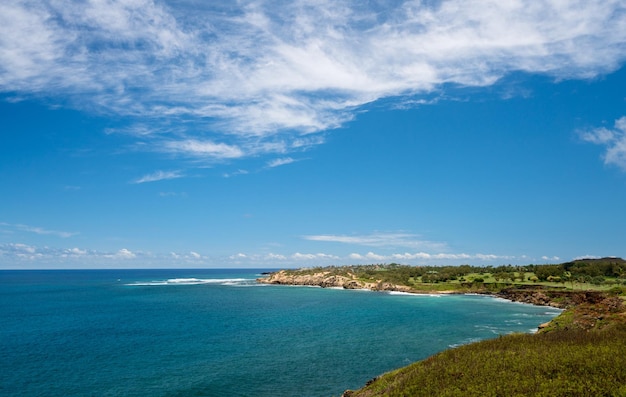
{"points": [[544, 297], [327, 280]]}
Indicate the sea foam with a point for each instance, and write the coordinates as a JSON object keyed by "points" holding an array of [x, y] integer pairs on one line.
{"points": [[414, 294], [192, 281]]}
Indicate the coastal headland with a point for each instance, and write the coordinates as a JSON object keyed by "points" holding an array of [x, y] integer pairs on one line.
{"points": [[542, 294], [581, 352], [327, 279]]}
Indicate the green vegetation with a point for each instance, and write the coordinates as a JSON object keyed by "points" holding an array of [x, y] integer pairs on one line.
{"points": [[575, 362], [586, 274]]}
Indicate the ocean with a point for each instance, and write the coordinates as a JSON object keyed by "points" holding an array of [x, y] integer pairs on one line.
{"points": [[216, 332]]}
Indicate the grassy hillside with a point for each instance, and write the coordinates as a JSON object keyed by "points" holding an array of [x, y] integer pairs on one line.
{"points": [[583, 353]]}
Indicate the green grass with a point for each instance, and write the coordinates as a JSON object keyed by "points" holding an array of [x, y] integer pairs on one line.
{"points": [[581, 353], [566, 363]]}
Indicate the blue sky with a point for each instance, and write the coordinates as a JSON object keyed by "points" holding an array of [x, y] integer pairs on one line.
{"points": [[286, 134]]}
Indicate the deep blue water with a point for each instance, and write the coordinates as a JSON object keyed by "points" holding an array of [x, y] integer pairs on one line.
{"points": [[218, 333]]}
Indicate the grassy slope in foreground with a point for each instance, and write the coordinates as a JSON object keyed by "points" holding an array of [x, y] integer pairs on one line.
{"points": [[565, 363], [581, 353]]}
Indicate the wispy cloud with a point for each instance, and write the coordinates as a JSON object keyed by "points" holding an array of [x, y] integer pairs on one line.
{"points": [[279, 162], [172, 194], [37, 230], [318, 256], [235, 173], [243, 79], [35, 255], [391, 240], [203, 148], [551, 258], [425, 257], [159, 176], [614, 141]]}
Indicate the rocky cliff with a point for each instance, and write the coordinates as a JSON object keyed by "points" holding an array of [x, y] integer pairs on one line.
{"points": [[328, 280], [546, 297]]}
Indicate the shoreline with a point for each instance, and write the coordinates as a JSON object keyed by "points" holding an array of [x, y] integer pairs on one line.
{"points": [[582, 311], [534, 295]]}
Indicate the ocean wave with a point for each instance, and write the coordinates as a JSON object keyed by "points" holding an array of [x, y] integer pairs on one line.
{"points": [[465, 342], [493, 329], [414, 294], [194, 281]]}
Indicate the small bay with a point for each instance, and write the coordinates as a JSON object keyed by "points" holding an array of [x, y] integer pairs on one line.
{"points": [[214, 332]]}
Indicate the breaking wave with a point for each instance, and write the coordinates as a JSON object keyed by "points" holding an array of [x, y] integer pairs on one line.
{"points": [[196, 281]]}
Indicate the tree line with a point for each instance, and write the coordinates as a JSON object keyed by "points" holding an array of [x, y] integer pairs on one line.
{"points": [[584, 270]]}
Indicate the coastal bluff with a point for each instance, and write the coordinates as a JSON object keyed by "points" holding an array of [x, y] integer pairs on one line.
{"points": [[531, 294], [326, 279]]}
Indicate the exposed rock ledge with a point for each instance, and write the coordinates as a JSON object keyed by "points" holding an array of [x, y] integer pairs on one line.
{"points": [[545, 297], [535, 295], [327, 280]]}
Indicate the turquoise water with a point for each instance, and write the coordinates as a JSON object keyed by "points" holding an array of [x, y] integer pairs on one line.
{"points": [[218, 333]]}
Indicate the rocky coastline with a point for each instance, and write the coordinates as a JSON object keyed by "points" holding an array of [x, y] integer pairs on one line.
{"points": [[561, 299], [328, 280], [535, 295]]}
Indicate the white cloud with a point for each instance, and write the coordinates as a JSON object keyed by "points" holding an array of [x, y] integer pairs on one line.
{"points": [[275, 257], [14, 254], [379, 240], [124, 254], [614, 141], [424, 257], [586, 257], [76, 252], [21, 248], [235, 173], [299, 256], [17, 255], [374, 257], [259, 78], [551, 258], [204, 149], [599, 136], [319, 256], [279, 162], [159, 176], [37, 230]]}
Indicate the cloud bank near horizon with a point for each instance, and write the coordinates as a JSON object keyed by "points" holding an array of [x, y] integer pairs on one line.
{"points": [[260, 77], [24, 256]]}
